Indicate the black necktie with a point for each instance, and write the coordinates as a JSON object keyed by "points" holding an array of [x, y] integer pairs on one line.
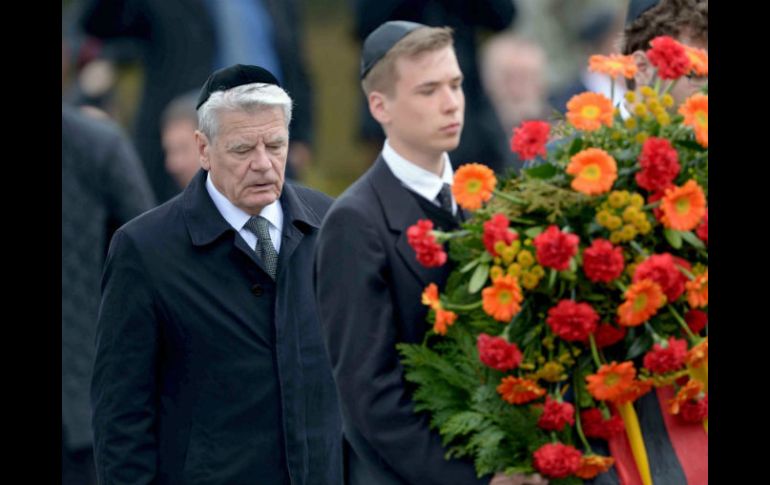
{"points": [[444, 198]]}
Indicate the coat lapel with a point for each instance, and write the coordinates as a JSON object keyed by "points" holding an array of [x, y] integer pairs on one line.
{"points": [[401, 211]]}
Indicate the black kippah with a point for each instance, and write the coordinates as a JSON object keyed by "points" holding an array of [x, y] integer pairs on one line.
{"points": [[381, 40], [230, 77]]}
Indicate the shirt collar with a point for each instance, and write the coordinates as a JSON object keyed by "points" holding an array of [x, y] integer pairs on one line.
{"points": [[237, 217], [416, 178]]}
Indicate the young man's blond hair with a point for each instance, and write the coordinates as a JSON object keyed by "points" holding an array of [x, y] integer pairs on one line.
{"points": [[384, 75]]}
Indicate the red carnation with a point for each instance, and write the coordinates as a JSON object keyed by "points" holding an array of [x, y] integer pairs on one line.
{"points": [[429, 252], [602, 261], [661, 360], [696, 320], [595, 426], [529, 139], [694, 411], [662, 269], [557, 460], [497, 353], [703, 229], [660, 165], [496, 229], [555, 248], [607, 335], [572, 321], [669, 57], [556, 415]]}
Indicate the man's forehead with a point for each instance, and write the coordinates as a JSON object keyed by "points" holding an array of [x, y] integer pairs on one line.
{"points": [[429, 66]]}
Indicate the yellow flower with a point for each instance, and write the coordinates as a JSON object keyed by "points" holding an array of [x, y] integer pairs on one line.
{"points": [[614, 222], [618, 199], [664, 119], [538, 271], [603, 217], [508, 254], [629, 232], [495, 272], [640, 110], [647, 91], [630, 96], [644, 227], [637, 200], [529, 281], [499, 247], [525, 259], [514, 269], [615, 237], [631, 123], [641, 138], [668, 101], [630, 214], [653, 104], [552, 372]]}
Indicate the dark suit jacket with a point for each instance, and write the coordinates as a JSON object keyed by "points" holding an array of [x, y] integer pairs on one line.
{"points": [[207, 371], [368, 285]]}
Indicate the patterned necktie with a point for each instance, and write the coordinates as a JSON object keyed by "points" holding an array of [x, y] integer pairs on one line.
{"points": [[264, 247], [444, 198]]}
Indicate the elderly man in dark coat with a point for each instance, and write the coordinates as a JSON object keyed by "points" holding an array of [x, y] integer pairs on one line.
{"points": [[210, 368]]}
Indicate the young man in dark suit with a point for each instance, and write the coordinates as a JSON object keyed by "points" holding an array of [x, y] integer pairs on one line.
{"points": [[210, 367], [368, 281]]}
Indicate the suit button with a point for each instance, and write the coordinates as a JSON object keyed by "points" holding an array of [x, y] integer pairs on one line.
{"points": [[257, 289]]}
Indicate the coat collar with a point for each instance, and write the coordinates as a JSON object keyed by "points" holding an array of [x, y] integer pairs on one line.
{"points": [[401, 210], [205, 224]]}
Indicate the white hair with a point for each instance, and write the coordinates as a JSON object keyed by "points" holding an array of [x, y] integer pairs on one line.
{"points": [[247, 97]]}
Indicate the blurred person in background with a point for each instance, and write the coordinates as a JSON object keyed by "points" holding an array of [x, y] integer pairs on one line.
{"points": [[684, 20], [103, 186], [513, 73], [178, 124]]}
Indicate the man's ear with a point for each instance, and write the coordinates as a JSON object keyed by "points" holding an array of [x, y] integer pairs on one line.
{"points": [[202, 141], [378, 107], [644, 69]]}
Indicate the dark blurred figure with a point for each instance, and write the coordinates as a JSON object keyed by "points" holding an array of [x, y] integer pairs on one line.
{"points": [[599, 31], [178, 124], [176, 44], [513, 73], [181, 41], [103, 186], [270, 33], [483, 140]]}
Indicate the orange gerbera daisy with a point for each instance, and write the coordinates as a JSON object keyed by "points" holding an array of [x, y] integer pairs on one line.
{"points": [[643, 299], [517, 390], [502, 300], [691, 391], [699, 59], [430, 296], [612, 381], [613, 65], [588, 111], [636, 390], [698, 291], [473, 184], [592, 465], [699, 354], [683, 207], [695, 110], [595, 171], [444, 319]]}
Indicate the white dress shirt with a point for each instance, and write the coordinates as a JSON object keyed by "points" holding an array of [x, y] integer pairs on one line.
{"points": [[416, 178], [238, 218]]}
